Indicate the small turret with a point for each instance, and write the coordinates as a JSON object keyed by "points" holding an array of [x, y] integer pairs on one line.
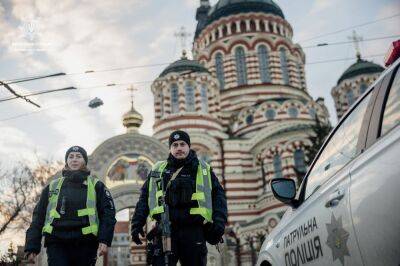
{"points": [[202, 14]]}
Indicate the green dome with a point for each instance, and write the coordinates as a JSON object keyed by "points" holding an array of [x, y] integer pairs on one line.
{"points": [[182, 65], [360, 67], [224, 8]]}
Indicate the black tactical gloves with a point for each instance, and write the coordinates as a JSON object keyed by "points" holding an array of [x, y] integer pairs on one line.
{"points": [[214, 232], [135, 235]]}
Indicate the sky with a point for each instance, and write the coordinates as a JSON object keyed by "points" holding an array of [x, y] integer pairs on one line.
{"points": [[44, 37]]}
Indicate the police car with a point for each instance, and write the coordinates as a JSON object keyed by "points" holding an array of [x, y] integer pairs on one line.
{"points": [[347, 209]]}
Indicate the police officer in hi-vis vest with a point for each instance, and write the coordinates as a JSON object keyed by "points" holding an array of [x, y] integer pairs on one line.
{"points": [[75, 214], [196, 203]]}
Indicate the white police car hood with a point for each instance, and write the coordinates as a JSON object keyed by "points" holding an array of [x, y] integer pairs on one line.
{"points": [[270, 240]]}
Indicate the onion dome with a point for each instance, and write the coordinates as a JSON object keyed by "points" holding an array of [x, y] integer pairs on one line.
{"points": [[184, 65], [132, 120], [360, 67], [224, 8]]}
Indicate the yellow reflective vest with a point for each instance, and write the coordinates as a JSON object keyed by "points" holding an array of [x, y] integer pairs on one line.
{"points": [[202, 195], [90, 210]]}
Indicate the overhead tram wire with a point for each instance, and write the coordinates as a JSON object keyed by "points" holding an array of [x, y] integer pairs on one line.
{"points": [[143, 82], [349, 28], [78, 89], [117, 69], [346, 42], [37, 93], [46, 109], [17, 95], [42, 110], [10, 81], [342, 59], [150, 81], [13, 81]]}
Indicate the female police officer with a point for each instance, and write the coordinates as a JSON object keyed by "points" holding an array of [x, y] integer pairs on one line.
{"points": [[75, 214]]}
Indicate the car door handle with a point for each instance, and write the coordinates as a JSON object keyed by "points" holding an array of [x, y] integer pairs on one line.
{"points": [[334, 198]]}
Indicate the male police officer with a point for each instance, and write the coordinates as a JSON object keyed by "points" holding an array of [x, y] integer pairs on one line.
{"points": [[196, 201]]}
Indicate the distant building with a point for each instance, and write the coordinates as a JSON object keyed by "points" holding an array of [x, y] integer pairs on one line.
{"points": [[119, 253], [353, 83]]}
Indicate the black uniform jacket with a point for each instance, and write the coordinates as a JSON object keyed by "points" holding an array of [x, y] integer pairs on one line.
{"points": [[179, 215], [69, 227]]}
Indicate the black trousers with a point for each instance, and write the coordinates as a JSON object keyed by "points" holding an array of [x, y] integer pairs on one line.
{"points": [[72, 254], [188, 247]]}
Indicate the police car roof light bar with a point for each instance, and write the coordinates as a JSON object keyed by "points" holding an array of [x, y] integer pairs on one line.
{"points": [[393, 54]]}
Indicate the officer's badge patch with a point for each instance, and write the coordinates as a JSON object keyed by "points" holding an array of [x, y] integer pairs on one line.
{"points": [[176, 136]]}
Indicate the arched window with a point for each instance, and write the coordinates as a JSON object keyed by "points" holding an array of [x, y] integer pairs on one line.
{"points": [[249, 119], [293, 112], [252, 25], [204, 98], [312, 113], [299, 74], [189, 97], [299, 161], [270, 114], [284, 68], [277, 166], [161, 104], [233, 28], [174, 98], [263, 63], [242, 26], [363, 88], [262, 26], [350, 97], [224, 31], [219, 67], [241, 70]]}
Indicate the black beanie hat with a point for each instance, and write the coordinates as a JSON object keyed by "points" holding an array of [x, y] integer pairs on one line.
{"points": [[77, 149], [179, 135]]}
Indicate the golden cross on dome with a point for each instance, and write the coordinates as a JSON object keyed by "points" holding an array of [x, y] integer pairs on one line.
{"points": [[131, 89], [182, 34], [356, 41]]}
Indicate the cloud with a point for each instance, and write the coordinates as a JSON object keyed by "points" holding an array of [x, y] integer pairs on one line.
{"points": [[391, 25], [84, 38], [11, 140], [321, 5], [383, 28], [191, 3]]}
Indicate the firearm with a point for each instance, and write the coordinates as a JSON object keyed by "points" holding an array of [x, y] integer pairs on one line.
{"points": [[165, 226]]}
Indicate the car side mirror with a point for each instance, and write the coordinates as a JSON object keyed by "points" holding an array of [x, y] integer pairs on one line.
{"points": [[284, 190]]}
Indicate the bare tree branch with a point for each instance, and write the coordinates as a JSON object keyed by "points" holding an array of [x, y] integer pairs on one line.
{"points": [[20, 189]]}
